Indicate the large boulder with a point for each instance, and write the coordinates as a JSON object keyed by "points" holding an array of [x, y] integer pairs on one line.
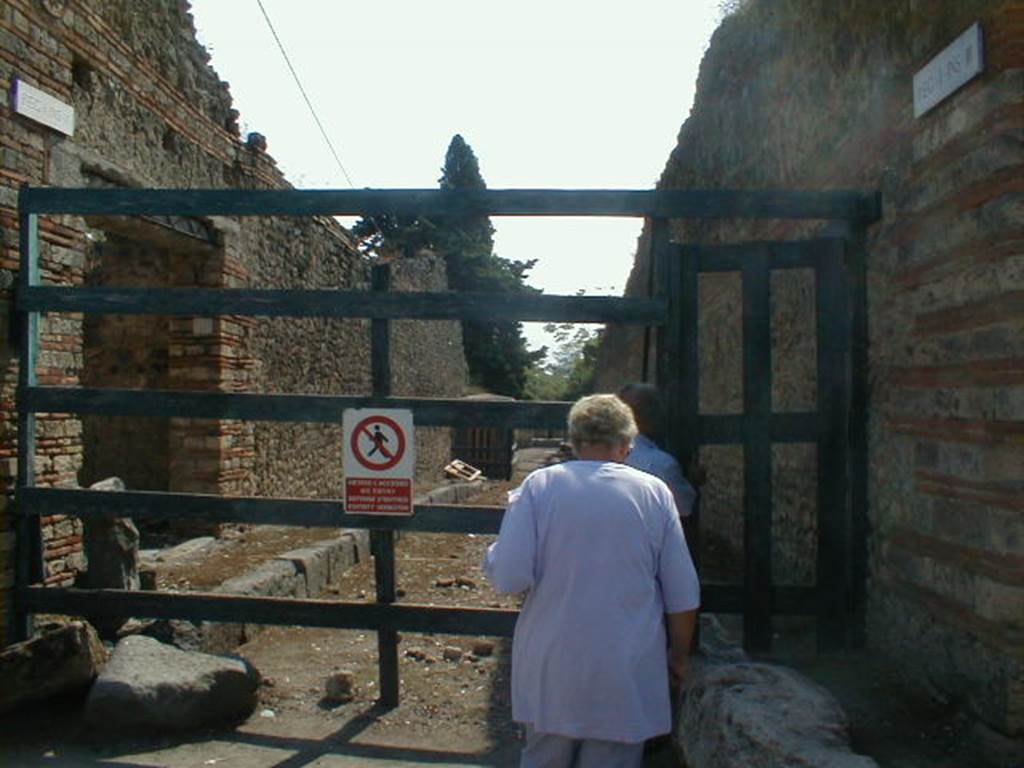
{"points": [[60, 659], [761, 716], [152, 686]]}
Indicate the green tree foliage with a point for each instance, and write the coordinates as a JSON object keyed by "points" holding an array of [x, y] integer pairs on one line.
{"points": [[495, 350], [568, 373], [389, 235]]}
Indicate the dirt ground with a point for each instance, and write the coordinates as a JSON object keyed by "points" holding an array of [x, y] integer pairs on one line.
{"points": [[454, 706], [454, 710]]}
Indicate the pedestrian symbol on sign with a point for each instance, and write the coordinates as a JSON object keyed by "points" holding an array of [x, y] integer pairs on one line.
{"points": [[379, 438]]}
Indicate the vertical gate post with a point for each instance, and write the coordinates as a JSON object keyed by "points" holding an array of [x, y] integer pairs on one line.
{"points": [[676, 358], [688, 440], [382, 542], [677, 363], [858, 431], [834, 327], [757, 451], [656, 230], [665, 268], [28, 550]]}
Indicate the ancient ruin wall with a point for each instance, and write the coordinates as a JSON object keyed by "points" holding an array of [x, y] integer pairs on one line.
{"points": [[151, 112], [427, 360], [332, 357], [816, 94]]}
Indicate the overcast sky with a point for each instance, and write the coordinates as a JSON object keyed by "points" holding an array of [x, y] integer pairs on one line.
{"points": [[549, 94]]}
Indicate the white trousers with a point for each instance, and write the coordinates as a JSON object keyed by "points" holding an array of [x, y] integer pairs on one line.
{"points": [[546, 750]]}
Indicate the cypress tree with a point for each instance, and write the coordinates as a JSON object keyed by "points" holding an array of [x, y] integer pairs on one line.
{"points": [[495, 350]]}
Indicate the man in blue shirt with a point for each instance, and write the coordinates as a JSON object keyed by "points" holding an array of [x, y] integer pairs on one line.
{"points": [[645, 401]]}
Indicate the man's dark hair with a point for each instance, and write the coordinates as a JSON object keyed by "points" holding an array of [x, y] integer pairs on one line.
{"points": [[645, 400]]}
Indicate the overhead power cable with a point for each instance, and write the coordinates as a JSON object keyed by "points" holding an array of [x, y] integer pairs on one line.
{"points": [[305, 96]]}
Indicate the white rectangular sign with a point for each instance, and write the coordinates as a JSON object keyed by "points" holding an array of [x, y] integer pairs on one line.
{"points": [[42, 107], [379, 459], [959, 63]]}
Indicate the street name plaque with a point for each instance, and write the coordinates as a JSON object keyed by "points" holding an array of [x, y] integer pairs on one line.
{"points": [[41, 107], [955, 66]]}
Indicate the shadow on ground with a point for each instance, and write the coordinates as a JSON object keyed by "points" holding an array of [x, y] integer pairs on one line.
{"points": [[58, 737]]}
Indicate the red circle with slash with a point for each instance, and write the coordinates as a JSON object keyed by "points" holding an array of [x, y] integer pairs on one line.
{"points": [[391, 457]]}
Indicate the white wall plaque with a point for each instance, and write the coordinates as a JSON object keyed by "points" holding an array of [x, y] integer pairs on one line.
{"points": [[959, 63], [42, 107]]}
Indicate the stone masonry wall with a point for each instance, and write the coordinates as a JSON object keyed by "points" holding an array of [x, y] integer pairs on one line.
{"points": [[332, 357], [426, 360], [816, 94], [150, 111], [302, 355]]}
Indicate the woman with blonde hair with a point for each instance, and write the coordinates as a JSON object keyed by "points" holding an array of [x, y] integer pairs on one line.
{"points": [[599, 546]]}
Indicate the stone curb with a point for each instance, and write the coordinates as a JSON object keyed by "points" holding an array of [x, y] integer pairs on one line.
{"points": [[451, 493], [300, 573], [305, 572]]}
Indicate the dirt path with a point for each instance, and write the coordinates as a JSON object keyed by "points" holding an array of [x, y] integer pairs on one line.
{"points": [[458, 703]]}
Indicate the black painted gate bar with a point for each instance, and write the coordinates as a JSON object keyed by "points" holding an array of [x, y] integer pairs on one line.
{"points": [[672, 313], [840, 205]]}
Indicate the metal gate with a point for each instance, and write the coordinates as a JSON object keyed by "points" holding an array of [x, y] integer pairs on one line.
{"points": [[672, 312]]}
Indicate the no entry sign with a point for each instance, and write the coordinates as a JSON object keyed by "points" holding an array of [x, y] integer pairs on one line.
{"points": [[379, 461]]}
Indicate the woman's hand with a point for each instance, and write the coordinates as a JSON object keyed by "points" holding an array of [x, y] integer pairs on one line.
{"points": [[678, 665], [680, 634]]}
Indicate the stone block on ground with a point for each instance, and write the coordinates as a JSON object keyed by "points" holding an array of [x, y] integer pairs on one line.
{"points": [[152, 686], [60, 659], [483, 647], [111, 547], [313, 563], [339, 559], [340, 687], [451, 493], [747, 713], [192, 549], [276, 578], [111, 552], [343, 556], [360, 544]]}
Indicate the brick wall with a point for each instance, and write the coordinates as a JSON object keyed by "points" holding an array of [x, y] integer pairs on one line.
{"points": [[803, 94], [151, 112]]}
